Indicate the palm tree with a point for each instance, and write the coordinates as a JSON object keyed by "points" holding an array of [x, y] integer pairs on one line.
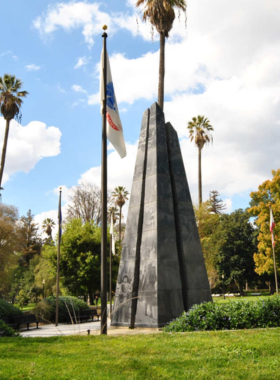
{"points": [[161, 15], [10, 103], [48, 225], [121, 195], [199, 131], [112, 210]]}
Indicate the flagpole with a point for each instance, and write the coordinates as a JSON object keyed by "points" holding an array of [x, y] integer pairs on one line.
{"points": [[58, 257], [275, 271], [111, 276], [104, 198]]}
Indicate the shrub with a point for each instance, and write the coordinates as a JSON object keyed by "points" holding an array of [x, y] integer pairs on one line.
{"points": [[235, 315], [22, 299], [43, 310], [66, 304], [6, 330], [8, 310]]}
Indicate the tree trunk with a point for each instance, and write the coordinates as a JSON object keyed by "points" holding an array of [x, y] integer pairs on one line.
{"points": [[161, 71], [120, 225], [4, 149], [199, 178], [91, 298], [241, 290]]}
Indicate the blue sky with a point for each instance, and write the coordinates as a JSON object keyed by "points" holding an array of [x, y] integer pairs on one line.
{"points": [[224, 65]]}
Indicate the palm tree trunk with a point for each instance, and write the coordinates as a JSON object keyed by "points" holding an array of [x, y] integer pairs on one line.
{"points": [[161, 71], [4, 149], [199, 177], [120, 225]]}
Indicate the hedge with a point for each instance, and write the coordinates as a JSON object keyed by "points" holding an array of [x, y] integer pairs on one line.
{"points": [[66, 304], [235, 315], [8, 310]]}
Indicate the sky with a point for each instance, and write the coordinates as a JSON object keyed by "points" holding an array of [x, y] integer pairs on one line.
{"points": [[223, 63]]}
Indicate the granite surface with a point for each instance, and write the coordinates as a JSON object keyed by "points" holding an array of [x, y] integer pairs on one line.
{"points": [[162, 270]]}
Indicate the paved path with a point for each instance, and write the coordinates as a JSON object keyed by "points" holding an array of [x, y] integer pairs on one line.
{"points": [[82, 329]]}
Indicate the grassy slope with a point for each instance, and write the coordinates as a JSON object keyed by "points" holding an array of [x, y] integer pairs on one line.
{"points": [[248, 354]]}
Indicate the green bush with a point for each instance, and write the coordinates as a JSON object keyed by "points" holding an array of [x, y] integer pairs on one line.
{"points": [[6, 330], [235, 315], [8, 310], [43, 310], [66, 304]]}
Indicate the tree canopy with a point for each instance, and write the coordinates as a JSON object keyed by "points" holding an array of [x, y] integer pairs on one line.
{"points": [[268, 194]]}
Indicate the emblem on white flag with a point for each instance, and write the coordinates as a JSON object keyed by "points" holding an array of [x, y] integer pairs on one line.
{"points": [[114, 125]]}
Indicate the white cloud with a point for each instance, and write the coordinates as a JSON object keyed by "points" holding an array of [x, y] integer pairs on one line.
{"points": [[28, 145], [78, 88], [60, 89], [32, 67], [6, 52], [82, 61], [74, 15]]}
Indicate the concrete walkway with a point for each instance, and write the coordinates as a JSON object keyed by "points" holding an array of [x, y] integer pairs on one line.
{"points": [[45, 331]]}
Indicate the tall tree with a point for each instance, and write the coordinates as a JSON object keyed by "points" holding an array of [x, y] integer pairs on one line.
{"points": [[85, 203], [236, 248], [121, 196], [208, 225], [48, 225], [10, 102], [9, 244], [161, 15], [30, 240], [199, 132], [268, 194], [216, 205]]}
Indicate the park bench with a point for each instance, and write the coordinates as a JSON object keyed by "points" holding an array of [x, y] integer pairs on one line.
{"points": [[256, 294], [84, 315], [25, 320]]}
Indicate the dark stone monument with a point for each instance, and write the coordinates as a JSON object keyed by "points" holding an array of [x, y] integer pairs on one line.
{"points": [[162, 270]]}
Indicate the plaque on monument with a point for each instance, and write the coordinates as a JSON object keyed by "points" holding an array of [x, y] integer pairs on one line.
{"points": [[162, 270]]}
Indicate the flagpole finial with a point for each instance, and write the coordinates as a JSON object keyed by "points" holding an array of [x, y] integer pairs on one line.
{"points": [[104, 27]]}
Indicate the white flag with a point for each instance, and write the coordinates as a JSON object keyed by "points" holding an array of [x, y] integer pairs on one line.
{"points": [[114, 125], [112, 233]]}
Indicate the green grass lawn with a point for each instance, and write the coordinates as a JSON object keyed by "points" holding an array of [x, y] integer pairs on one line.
{"points": [[247, 354], [30, 306], [234, 299]]}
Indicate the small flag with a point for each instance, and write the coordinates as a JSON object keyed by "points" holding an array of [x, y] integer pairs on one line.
{"points": [[114, 125], [272, 225], [112, 233]]}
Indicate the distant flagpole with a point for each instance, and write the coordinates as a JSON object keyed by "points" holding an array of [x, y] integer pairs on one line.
{"points": [[104, 196], [272, 225], [58, 257], [112, 250]]}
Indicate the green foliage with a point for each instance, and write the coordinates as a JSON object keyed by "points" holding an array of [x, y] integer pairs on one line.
{"points": [[22, 299], [6, 330], [267, 195], [235, 315], [43, 310], [208, 224], [66, 304], [8, 310], [236, 248], [80, 257]]}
